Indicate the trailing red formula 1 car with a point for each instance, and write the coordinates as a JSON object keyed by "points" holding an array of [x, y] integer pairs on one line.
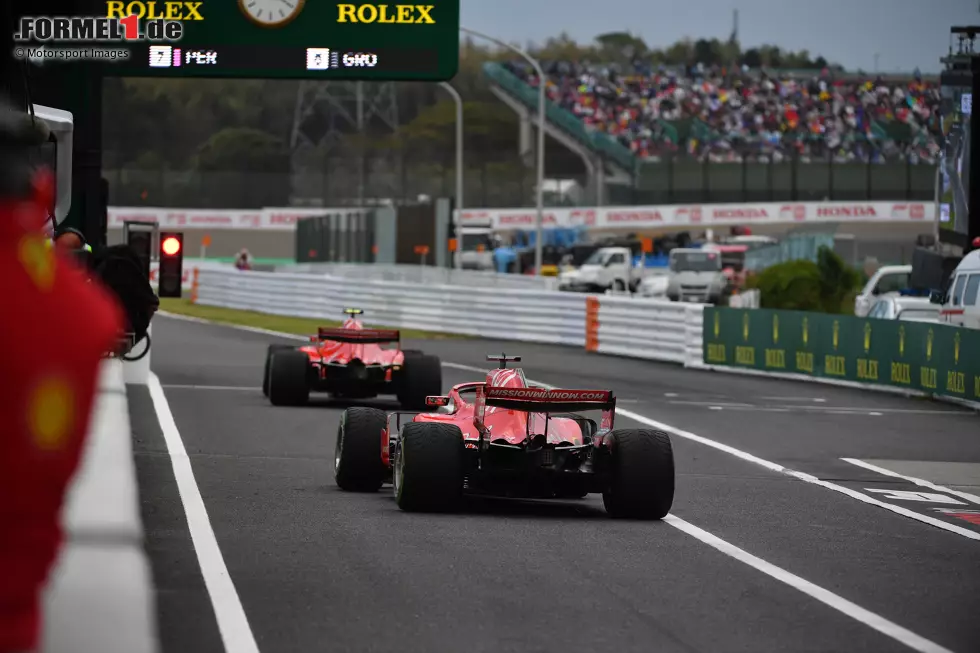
{"points": [[503, 437], [350, 362]]}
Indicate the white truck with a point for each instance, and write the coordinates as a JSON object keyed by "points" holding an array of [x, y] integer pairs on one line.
{"points": [[887, 279], [696, 276], [476, 246], [608, 268]]}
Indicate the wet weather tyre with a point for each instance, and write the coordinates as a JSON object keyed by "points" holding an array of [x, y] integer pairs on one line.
{"points": [[289, 383], [357, 465], [642, 475], [420, 377], [268, 358], [428, 473]]}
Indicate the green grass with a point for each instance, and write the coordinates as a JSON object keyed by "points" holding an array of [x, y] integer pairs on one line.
{"points": [[301, 326]]}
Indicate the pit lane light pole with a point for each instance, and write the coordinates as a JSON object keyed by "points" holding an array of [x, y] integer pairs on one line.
{"points": [[458, 212], [539, 220]]}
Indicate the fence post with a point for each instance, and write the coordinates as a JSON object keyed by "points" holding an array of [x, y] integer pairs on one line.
{"points": [[591, 323], [745, 179], [794, 171], [868, 175], [194, 284], [830, 174], [772, 191]]}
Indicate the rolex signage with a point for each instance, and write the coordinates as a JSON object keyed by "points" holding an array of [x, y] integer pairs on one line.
{"points": [[917, 356]]}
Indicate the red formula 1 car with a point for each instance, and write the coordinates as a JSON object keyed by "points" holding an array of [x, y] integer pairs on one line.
{"points": [[350, 362], [503, 437]]}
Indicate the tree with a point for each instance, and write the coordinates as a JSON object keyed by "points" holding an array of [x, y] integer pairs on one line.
{"points": [[262, 156], [752, 58], [490, 134], [827, 285], [621, 46]]}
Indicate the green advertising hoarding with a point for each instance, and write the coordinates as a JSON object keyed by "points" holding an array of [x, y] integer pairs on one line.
{"points": [[931, 358], [294, 39]]}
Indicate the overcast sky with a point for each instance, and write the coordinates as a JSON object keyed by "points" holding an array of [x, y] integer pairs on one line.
{"points": [[904, 33]]}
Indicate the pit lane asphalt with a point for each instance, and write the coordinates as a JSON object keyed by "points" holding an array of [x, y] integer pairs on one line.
{"points": [[319, 570]]}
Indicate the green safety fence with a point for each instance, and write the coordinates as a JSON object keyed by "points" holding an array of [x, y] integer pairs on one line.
{"points": [[937, 359]]}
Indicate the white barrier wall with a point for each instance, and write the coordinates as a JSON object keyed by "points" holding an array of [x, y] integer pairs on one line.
{"points": [[99, 597], [531, 315], [639, 327], [648, 328], [423, 274]]}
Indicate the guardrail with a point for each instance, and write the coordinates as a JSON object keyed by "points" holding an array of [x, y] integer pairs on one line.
{"points": [[99, 597], [517, 314], [421, 274], [915, 358]]}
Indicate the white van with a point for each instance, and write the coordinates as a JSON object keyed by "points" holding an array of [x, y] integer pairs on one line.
{"points": [[888, 279], [961, 305]]}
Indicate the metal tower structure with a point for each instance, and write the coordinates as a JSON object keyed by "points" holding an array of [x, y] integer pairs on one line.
{"points": [[325, 112]]}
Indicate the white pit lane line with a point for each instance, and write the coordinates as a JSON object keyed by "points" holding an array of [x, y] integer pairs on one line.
{"points": [[236, 634], [234, 625]]}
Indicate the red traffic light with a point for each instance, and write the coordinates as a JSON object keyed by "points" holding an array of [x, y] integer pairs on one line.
{"points": [[171, 246]]}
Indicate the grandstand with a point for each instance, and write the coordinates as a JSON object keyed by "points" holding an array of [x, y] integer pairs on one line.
{"points": [[626, 125]]}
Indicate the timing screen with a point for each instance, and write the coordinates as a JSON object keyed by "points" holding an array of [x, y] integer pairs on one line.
{"points": [[328, 60]]}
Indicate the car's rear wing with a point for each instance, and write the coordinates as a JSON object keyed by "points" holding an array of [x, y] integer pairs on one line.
{"points": [[359, 336], [541, 400]]}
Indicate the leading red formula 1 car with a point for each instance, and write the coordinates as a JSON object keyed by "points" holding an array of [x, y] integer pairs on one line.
{"points": [[350, 362], [503, 437]]}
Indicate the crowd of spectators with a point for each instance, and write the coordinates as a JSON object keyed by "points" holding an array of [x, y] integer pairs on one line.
{"points": [[731, 114]]}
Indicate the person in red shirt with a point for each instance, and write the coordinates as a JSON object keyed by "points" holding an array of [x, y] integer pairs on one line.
{"points": [[55, 329]]}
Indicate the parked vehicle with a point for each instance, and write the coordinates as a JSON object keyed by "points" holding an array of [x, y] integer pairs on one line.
{"points": [[609, 268], [654, 284], [476, 245], [888, 279], [696, 275], [960, 306], [909, 309]]}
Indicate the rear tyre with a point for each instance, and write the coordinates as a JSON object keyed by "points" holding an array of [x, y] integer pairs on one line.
{"points": [[268, 357], [357, 465], [642, 483], [428, 467], [289, 378], [420, 377]]}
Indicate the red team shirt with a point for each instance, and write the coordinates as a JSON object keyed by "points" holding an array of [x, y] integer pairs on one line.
{"points": [[55, 328]]}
